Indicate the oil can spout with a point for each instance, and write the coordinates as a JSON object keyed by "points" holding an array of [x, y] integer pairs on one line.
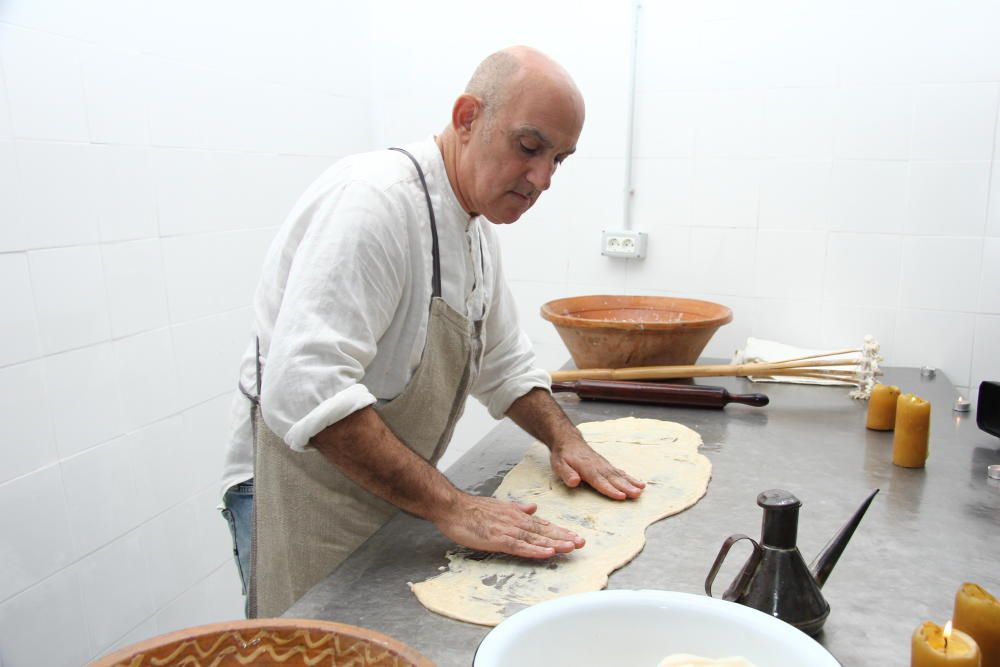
{"points": [[827, 559]]}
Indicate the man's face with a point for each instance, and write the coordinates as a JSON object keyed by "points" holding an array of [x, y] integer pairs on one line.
{"points": [[511, 160]]}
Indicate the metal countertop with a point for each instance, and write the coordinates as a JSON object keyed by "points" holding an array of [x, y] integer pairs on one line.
{"points": [[927, 531]]}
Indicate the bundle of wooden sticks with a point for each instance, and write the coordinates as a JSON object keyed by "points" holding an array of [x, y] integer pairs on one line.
{"points": [[856, 366]]}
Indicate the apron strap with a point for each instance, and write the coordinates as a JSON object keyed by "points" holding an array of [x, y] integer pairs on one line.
{"points": [[436, 280]]}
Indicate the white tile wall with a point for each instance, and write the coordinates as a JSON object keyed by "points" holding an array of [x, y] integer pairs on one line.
{"points": [[936, 338], [112, 613], [17, 312], [208, 601], [989, 285], [160, 455], [793, 321], [730, 124], [668, 266], [179, 94], [948, 198], [23, 412], [35, 529], [57, 194], [83, 397], [102, 487], [664, 192], [873, 123], [170, 542], [117, 96], [210, 273], [137, 292], [27, 622], [993, 217], [726, 192], [781, 254], [146, 371], [44, 85], [206, 437], [954, 122], [725, 260], [846, 326], [666, 123], [869, 196], [863, 269], [125, 203], [799, 123], [796, 194], [70, 297], [208, 354], [145, 161], [13, 236], [985, 360], [6, 131], [957, 258]]}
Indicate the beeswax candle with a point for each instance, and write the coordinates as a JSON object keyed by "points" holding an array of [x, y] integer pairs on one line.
{"points": [[882, 407], [932, 646], [913, 425], [977, 614]]}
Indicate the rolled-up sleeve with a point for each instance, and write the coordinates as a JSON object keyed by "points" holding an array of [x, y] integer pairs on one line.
{"points": [[345, 280], [508, 370]]}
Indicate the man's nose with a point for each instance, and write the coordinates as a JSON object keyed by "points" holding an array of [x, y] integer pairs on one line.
{"points": [[540, 175]]}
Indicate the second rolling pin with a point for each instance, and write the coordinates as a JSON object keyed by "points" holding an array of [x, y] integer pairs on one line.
{"points": [[658, 393]]}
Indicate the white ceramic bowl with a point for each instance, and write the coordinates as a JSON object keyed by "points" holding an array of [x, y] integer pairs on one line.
{"points": [[640, 628]]}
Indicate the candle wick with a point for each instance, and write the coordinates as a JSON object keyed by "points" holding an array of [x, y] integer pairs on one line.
{"points": [[945, 644]]}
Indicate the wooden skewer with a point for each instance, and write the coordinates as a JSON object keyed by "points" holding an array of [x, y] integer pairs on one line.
{"points": [[809, 366]]}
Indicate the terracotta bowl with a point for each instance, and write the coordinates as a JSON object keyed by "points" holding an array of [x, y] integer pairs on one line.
{"points": [[284, 642], [616, 331]]}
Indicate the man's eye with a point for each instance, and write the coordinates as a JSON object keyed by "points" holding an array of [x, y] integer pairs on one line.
{"points": [[528, 150]]}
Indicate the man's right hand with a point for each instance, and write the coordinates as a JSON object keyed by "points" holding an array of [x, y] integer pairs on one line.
{"points": [[487, 524]]}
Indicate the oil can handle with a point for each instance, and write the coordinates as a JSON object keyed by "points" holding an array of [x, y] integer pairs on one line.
{"points": [[743, 580]]}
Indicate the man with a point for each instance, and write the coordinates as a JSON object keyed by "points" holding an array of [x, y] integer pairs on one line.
{"points": [[381, 307]]}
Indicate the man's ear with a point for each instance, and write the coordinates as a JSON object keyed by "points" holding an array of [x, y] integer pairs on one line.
{"points": [[468, 108]]}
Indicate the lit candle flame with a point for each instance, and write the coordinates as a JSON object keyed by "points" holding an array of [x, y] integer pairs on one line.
{"points": [[947, 634]]}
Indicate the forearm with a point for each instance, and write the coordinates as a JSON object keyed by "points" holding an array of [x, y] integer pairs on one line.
{"points": [[364, 448], [538, 413]]}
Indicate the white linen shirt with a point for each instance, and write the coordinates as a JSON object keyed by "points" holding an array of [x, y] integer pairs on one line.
{"points": [[342, 305]]}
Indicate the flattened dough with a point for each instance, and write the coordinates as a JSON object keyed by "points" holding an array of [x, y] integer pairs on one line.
{"points": [[486, 588]]}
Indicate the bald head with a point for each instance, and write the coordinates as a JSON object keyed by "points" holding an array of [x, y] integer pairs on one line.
{"points": [[509, 69], [518, 120]]}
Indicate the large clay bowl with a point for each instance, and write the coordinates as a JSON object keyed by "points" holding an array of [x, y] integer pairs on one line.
{"points": [[276, 642], [617, 331]]}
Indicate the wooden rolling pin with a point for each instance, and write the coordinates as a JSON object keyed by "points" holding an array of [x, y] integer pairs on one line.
{"points": [[658, 394]]}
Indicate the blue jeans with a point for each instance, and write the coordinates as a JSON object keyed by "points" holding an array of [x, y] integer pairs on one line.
{"points": [[238, 510]]}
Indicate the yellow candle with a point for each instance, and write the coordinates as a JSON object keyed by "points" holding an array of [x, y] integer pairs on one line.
{"points": [[977, 613], [933, 646], [882, 407], [913, 425]]}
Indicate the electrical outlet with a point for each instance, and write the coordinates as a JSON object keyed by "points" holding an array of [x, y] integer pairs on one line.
{"points": [[623, 243]]}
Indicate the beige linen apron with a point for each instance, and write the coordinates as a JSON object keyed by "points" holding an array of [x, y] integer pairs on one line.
{"points": [[308, 516]]}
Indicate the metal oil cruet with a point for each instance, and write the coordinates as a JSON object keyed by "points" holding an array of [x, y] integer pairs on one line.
{"points": [[775, 579]]}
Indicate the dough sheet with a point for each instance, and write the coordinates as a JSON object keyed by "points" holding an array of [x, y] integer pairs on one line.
{"points": [[484, 588]]}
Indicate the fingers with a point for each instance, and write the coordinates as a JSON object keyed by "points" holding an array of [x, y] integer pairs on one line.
{"points": [[528, 508], [566, 473], [625, 483], [489, 524]]}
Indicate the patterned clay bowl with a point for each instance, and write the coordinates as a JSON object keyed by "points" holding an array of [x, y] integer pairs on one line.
{"points": [[620, 331], [277, 642]]}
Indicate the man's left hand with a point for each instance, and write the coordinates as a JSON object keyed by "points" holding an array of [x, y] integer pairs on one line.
{"points": [[575, 461]]}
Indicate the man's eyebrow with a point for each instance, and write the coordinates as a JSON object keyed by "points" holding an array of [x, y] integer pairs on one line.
{"points": [[538, 134]]}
